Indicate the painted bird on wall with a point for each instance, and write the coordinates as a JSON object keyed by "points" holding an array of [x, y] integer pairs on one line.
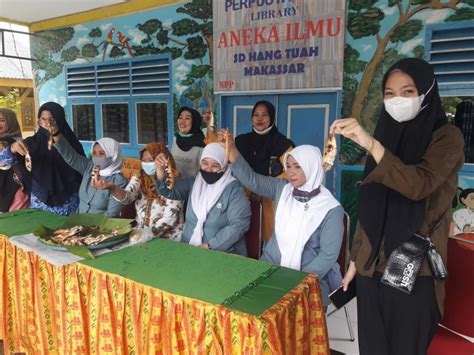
{"points": [[108, 41], [124, 42]]}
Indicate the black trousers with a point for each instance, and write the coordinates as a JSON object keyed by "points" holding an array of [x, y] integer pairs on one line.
{"points": [[391, 322]]}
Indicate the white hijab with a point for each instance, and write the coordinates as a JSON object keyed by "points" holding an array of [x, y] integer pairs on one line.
{"points": [[204, 196], [296, 221], [112, 149]]}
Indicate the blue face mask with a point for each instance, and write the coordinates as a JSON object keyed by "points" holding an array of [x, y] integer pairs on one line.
{"points": [[149, 168], [102, 162]]}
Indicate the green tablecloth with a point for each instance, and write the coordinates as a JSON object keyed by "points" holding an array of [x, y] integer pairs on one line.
{"points": [[239, 283]]}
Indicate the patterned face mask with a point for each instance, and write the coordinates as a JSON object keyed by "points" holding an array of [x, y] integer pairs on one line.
{"points": [[304, 196]]}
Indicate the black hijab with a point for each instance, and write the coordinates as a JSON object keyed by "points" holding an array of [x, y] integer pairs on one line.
{"points": [[258, 148], [197, 137], [383, 212], [56, 179], [8, 185]]}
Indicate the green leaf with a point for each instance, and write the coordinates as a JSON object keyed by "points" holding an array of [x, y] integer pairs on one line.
{"points": [[83, 252], [95, 33], [150, 26], [70, 54], [43, 232], [462, 14], [358, 5], [409, 30], [89, 50], [365, 23], [185, 27]]}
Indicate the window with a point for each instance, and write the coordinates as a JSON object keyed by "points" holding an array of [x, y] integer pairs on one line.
{"points": [[115, 121], [450, 49], [127, 100], [84, 122], [151, 120]]}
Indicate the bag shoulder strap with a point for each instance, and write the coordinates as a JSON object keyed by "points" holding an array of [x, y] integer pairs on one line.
{"points": [[436, 225]]}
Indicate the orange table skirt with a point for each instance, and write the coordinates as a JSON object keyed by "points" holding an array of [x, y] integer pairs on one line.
{"points": [[76, 309]]}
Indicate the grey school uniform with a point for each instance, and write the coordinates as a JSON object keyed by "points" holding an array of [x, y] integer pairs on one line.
{"points": [[322, 249], [226, 222], [91, 200], [187, 163]]}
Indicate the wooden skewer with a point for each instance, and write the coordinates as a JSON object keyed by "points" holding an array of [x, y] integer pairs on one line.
{"points": [[226, 145]]}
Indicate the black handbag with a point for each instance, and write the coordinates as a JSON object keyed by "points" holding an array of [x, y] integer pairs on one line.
{"points": [[405, 262]]}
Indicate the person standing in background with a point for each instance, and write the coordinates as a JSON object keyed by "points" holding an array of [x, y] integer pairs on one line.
{"points": [[263, 149]]}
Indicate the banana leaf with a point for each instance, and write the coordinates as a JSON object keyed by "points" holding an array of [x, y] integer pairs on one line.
{"points": [[104, 223]]}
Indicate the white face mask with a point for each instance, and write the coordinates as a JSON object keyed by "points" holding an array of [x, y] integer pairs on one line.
{"points": [[149, 168], [404, 109]]}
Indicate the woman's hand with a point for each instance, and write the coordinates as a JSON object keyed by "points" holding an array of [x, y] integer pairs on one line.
{"points": [[204, 246], [225, 138], [351, 128], [350, 274], [19, 147], [161, 163], [101, 184]]}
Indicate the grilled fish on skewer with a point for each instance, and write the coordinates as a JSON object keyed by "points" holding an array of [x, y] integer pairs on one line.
{"points": [[170, 175], [50, 139], [212, 121], [95, 174], [330, 152], [28, 164]]}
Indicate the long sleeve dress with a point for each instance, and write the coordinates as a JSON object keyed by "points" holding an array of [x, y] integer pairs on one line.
{"points": [[91, 200], [226, 222], [322, 249]]}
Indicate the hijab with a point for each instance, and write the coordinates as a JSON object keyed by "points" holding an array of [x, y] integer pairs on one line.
{"points": [[8, 185], [258, 148], [385, 214], [296, 221], [112, 150], [57, 181], [204, 196], [195, 137], [147, 183]]}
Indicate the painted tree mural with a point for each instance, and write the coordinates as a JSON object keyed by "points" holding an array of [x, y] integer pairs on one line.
{"points": [[362, 80], [189, 38], [47, 48]]}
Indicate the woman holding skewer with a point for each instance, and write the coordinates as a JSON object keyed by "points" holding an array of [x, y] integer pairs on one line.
{"points": [[55, 184], [105, 165], [218, 212], [410, 179], [308, 219], [163, 216]]}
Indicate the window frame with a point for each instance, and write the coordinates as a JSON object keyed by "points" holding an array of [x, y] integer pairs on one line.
{"points": [[133, 147]]}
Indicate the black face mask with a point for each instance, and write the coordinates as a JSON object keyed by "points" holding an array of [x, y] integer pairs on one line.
{"points": [[211, 178]]}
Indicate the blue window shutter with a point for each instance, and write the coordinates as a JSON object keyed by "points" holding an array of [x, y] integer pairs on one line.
{"points": [[450, 49]]}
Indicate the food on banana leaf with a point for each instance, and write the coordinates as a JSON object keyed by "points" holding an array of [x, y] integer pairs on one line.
{"points": [[82, 236]]}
